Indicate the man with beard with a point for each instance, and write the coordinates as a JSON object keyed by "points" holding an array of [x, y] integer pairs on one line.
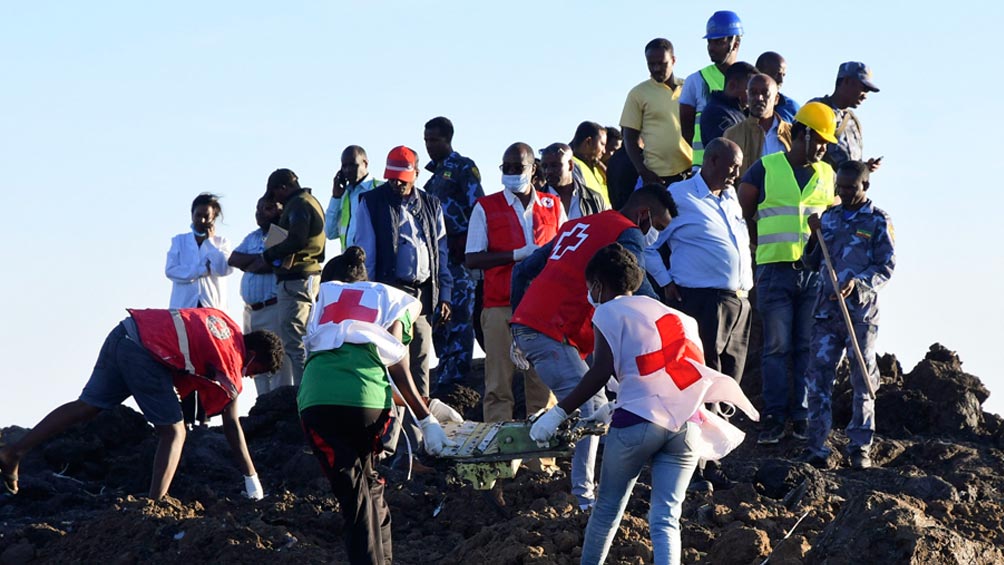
{"points": [[854, 82], [763, 132], [778, 194], [724, 33]]}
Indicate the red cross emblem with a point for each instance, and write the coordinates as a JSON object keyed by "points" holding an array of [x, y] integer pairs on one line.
{"points": [[676, 349], [348, 307]]}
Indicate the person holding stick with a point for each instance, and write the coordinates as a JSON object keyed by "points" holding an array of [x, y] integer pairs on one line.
{"points": [[855, 241]]}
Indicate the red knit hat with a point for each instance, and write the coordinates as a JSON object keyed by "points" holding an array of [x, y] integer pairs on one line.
{"points": [[402, 164]]}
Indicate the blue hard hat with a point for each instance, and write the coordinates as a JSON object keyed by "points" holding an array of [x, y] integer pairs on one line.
{"points": [[723, 24]]}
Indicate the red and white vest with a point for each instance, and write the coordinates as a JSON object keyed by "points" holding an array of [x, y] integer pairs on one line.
{"points": [[505, 233], [659, 365], [203, 345], [555, 304]]}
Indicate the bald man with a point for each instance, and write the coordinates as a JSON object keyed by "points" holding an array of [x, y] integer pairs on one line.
{"points": [[710, 273], [763, 132]]}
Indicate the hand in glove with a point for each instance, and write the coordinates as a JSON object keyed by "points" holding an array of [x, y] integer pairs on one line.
{"points": [[252, 488], [547, 425], [523, 252], [444, 413], [603, 414], [433, 436], [518, 359]]}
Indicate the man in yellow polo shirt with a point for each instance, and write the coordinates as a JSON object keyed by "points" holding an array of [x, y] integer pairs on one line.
{"points": [[588, 145], [652, 114]]}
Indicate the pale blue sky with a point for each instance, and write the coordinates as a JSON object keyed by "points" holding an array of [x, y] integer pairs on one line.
{"points": [[116, 114]]}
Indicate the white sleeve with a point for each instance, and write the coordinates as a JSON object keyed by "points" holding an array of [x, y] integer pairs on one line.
{"points": [[332, 217], [219, 254], [477, 231], [180, 267], [692, 95]]}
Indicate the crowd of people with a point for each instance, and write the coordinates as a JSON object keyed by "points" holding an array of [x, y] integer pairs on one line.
{"points": [[620, 273]]}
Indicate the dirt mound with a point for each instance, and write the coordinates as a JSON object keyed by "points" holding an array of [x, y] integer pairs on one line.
{"points": [[933, 498]]}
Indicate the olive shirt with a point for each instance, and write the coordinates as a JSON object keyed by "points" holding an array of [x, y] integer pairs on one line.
{"points": [[303, 219]]}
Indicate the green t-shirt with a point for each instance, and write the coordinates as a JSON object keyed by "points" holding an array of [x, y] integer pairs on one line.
{"points": [[351, 375]]}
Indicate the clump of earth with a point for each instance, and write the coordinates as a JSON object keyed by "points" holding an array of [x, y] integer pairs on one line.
{"points": [[935, 495]]}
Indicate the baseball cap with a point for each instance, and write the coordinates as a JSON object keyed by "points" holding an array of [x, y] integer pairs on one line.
{"points": [[402, 164], [859, 71]]}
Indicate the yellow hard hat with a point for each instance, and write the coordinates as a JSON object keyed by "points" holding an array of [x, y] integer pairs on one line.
{"points": [[820, 118]]}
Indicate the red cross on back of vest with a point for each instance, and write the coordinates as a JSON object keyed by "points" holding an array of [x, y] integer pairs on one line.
{"points": [[348, 307], [673, 355]]}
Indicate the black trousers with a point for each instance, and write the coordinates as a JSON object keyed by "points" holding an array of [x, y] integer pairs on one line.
{"points": [[724, 321], [344, 440]]}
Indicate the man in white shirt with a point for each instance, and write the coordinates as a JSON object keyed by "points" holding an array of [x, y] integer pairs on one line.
{"points": [[505, 228]]}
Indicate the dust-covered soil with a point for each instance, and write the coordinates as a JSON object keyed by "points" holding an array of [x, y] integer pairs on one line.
{"points": [[935, 495]]}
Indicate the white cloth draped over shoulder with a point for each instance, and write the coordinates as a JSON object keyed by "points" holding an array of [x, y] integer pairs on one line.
{"points": [[659, 364], [360, 313]]}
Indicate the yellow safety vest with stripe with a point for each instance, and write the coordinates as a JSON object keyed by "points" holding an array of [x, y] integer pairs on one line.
{"points": [[782, 217], [715, 80]]}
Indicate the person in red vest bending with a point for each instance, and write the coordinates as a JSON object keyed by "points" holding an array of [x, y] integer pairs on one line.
{"points": [[505, 228], [551, 321], [155, 356]]}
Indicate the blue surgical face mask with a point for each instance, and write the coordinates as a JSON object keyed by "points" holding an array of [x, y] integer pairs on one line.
{"points": [[651, 236], [517, 184], [197, 233]]}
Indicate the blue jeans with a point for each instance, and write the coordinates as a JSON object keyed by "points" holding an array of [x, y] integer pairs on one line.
{"points": [[673, 461], [561, 368], [785, 298]]}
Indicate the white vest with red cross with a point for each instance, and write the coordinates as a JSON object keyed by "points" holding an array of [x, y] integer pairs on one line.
{"points": [[659, 364], [505, 233], [555, 304], [203, 345], [360, 313]]}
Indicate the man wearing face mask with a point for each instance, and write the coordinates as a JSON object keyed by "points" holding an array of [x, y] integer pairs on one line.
{"points": [[506, 227], [352, 180], [551, 315], [576, 198], [778, 194]]}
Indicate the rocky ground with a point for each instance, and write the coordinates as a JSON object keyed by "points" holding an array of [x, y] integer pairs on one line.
{"points": [[935, 497]]}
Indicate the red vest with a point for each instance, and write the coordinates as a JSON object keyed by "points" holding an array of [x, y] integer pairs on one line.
{"points": [[505, 233], [203, 345], [555, 304]]}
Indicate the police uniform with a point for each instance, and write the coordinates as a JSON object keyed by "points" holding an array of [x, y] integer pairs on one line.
{"points": [[861, 248], [457, 183]]}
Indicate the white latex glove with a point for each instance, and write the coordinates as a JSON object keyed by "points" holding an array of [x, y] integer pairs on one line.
{"points": [[547, 425], [252, 488], [433, 436], [518, 359], [603, 414], [444, 413], [523, 252]]}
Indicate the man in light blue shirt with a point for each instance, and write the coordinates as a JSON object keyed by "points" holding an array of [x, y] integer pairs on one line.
{"points": [[258, 290], [710, 267], [351, 181]]}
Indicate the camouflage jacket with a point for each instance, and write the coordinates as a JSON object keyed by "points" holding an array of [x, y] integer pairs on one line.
{"points": [[861, 248], [456, 182]]}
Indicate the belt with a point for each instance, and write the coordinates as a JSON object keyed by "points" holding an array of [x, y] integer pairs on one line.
{"points": [[259, 305], [719, 291], [797, 265]]}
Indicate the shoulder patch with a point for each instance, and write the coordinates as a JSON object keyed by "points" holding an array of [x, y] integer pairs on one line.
{"points": [[475, 173], [218, 328]]}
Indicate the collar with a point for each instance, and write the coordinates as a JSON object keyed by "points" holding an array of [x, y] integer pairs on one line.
{"points": [[676, 82], [866, 208], [577, 188], [701, 189], [367, 179], [511, 198], [432, 165]]}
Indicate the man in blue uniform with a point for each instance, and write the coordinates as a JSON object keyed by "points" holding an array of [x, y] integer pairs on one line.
{"points": [[859, 237], [456, 182]]}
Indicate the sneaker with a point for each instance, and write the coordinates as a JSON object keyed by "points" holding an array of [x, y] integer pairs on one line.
{"points": [[814, 459], [799, 429], [860, 460], [772, 431]]}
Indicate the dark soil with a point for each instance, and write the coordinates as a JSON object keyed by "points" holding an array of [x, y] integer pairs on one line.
{"points": [[934, 497]]}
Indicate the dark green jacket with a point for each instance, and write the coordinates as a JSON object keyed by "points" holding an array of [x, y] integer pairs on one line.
{"points": [[303, 217]]}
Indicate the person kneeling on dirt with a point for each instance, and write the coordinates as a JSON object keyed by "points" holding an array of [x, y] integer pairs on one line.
{"points": [[655, 354], [356, 336], [155, 356]]}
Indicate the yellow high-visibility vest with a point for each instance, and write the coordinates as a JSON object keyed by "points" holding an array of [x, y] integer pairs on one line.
{"points": [[782, 218], [715, 80]]}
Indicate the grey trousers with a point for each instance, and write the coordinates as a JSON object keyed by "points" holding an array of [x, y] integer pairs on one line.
{"points": [[296, 297]]}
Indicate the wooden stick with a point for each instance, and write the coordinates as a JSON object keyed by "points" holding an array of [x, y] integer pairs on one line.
{"points": [[847, 315]]}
